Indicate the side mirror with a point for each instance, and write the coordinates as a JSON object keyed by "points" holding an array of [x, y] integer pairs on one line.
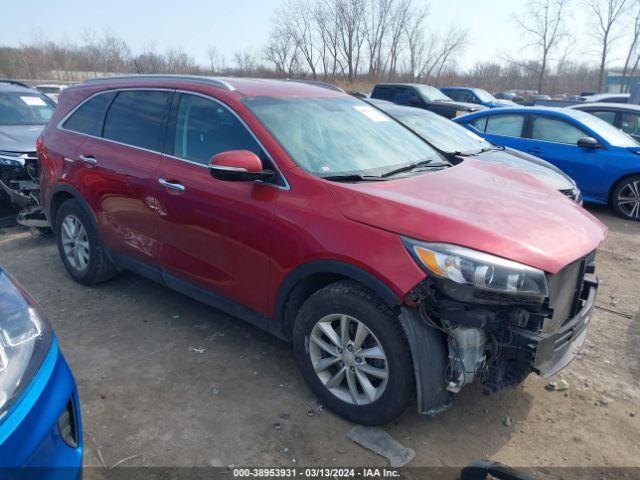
{"points": [[588, 142], [415, 101], [238, 166]]}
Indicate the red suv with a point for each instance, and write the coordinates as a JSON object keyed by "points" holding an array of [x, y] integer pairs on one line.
{"points": [[317, 217]]}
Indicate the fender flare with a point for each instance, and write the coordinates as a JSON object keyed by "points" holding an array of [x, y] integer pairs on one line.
{"points": [[66, 188], [332, 267]]}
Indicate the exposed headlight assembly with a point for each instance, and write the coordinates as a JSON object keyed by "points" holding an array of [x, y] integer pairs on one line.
{"points": [[25, 338], [479, 270]]}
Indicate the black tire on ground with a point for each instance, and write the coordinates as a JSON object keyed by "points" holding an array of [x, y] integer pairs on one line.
{"points": [[352, 299], [99, 267], [625, 198]]}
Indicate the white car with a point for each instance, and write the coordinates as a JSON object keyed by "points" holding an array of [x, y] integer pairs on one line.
{"points": [[51, 90]]}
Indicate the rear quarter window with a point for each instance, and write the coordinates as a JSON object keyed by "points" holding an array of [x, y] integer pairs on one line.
{"points": [[505, 125], [88, 117]]}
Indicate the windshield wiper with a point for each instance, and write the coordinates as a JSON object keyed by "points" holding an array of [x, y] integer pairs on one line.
{"points": [[353, 178], [406, 168]]}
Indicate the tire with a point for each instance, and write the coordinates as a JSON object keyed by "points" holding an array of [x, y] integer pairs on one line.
{"points": [[92, 267], [625, 198], [358, 307]]}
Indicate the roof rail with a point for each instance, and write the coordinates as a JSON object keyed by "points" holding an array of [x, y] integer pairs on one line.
{"points": [[318, 83], [159, 76], [15, 82]]}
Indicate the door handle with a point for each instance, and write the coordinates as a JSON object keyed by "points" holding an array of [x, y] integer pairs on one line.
{"points": [[90, 159], [535, 150], [173, 185]]}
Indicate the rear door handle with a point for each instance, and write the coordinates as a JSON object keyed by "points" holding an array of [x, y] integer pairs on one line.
{"points": [[172, 184], [90, 159], [535, 150]]}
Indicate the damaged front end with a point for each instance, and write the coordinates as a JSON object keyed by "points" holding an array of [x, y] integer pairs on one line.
{"points": [[19, 183], [497, 336]]}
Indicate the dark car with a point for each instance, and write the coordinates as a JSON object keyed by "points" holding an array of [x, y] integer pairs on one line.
{"points": [[312, 214], [423, 96], [23, 114], [477, 96], [513, 96], [456, 142], [625, 116]]}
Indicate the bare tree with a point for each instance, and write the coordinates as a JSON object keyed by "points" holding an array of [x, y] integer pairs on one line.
{"points": [[606, 14], [216, 60], [632, 52], [376, 23], [282, 51], [441, 50], [543, 21], [296, 18], [415, 42], [350, 18]]}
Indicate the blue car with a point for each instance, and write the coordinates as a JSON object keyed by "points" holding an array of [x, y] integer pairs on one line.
{"points": [[603, 161], [40, 429], [475, 95]]}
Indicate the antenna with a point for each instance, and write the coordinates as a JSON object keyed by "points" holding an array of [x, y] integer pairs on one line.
{"points": [[136, 65]]}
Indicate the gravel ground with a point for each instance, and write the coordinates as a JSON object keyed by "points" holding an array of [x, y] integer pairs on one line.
{"points": [[166, 377]]}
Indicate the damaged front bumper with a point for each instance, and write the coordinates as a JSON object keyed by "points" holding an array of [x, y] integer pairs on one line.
{"points": [[20, 184], [456, 342]]}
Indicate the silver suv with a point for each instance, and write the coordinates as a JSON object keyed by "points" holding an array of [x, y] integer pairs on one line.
{"points": [[23, 114]]}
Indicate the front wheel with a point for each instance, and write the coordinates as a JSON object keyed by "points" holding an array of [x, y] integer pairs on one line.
{"points": [[626, 198], [353, 354], [81, 248]]}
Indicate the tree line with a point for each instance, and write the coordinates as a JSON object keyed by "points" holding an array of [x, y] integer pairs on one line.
{"points": [[360, 42]]}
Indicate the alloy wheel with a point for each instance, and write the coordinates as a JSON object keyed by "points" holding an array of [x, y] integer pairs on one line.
{"points": [[348, 359], [75, 243], [629, 200]]}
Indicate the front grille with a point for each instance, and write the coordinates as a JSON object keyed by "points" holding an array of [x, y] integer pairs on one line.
{"points": [[565, 288]]}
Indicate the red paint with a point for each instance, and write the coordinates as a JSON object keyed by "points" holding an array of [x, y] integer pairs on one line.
{"points": [[242, 239], [241, 159]]}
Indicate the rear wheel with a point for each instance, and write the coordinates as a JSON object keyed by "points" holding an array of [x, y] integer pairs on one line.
{"points": [[626, 198], [352, 352], [80, 245]]}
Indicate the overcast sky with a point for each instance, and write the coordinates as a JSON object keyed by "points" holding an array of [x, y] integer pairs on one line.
{"points": [[230, 25]]}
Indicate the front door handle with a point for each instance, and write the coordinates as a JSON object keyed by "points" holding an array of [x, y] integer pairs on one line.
{"points": [[172, 184], [90, 159]]}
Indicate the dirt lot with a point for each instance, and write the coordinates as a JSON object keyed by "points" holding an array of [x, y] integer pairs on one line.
{"points": [[167, 377]]}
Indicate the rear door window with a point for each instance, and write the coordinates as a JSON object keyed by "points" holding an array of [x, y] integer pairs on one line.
{"points": [[506, 125], [136, 118], [630, 123], [403, 94], [606, 115], [555, 130], [383, 92], [89, 116]]}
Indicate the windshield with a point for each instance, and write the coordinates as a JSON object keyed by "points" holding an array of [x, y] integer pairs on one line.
{"points": [[338, 136], [483, 95], [432, 94], [608, 132], [445, 135], [17, 108]]}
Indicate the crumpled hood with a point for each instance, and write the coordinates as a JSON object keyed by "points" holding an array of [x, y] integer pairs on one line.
{"points": [[549, 175], [478, 205], [19, 138]]}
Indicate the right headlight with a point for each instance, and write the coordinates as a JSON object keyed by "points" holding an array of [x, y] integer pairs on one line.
{"points": [[25, 338], [479, 270]]}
